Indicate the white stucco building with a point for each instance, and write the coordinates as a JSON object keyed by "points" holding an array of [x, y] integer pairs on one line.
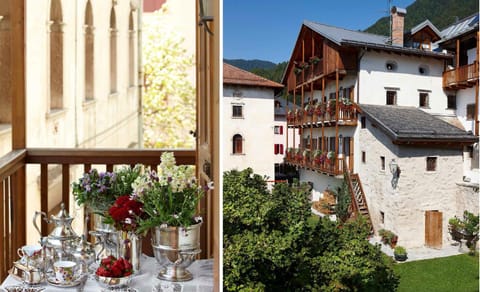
{"points": [[249, 126], [82, 82], [367, 103]]}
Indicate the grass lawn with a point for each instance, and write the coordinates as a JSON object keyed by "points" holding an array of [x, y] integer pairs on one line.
{"points": [[456, 273]]}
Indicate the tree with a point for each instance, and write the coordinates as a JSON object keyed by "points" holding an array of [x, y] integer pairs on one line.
{"points": [[169, 97], [269, 244]]}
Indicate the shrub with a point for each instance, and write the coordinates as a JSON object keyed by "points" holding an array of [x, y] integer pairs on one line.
{"points": [[270, 245]]}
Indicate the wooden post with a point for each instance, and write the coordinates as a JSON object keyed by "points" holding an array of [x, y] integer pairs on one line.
{"points": [[17, 53]]}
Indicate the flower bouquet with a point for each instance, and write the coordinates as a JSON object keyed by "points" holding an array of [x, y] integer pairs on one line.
{"points": [[170, 199]]}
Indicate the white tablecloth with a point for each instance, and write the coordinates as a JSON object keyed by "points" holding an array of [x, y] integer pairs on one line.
{"points": [[202, 271]]}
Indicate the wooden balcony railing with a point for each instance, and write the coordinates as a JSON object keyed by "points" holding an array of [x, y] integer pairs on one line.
{"points": [[346, 116], [334, 166], [461, 77], [12, 208]]}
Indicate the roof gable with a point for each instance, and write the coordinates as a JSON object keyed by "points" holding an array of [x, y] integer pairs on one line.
{"points": [[234, 75], [461, 27], [428, 28]]}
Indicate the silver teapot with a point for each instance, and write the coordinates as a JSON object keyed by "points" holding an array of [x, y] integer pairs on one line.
{"points": [[62, 241]]}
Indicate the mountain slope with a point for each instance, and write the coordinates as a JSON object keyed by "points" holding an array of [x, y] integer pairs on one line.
{"points": [[441, 13], [249, 65]]}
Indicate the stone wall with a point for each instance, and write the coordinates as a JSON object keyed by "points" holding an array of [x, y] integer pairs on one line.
{"points": [[402, 210]]}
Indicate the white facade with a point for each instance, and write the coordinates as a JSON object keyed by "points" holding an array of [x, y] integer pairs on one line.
{"points": [[401, 210], [106, 118], [256, 127]]}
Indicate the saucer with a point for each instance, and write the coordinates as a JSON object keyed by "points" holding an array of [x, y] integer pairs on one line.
{"points": [[124, 289], [54, 282]]}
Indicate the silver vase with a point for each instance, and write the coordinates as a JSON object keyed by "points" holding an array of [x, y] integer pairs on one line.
{"points": [[175, 249], [130, 248]]}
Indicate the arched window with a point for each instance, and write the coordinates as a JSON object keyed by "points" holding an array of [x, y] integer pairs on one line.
{"points": [[5, 64], [89, 56], [237, 144], [56, 55], [113, 51], [131, 50]]}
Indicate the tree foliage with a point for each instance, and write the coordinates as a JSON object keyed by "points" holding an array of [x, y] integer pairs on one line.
{"points": [[169, 97], [441, 13], [270, 246]]}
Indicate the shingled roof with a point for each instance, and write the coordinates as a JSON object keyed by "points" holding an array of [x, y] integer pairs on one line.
{"points": [[234, 75], [341, 36], [410, 125]]}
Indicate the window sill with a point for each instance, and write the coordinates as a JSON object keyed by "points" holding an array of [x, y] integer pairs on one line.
{"points": [[87, 103], [238, 118], [5, 129], [113, 94], [55, 113], [237, 154]]}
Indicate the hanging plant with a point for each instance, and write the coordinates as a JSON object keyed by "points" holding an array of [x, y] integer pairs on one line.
{"points": [[314, 60]]}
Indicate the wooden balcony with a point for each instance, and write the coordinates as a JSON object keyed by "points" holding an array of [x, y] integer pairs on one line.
{"points": [[347, 116], [461, 77], [13, 190], [332, 167]]}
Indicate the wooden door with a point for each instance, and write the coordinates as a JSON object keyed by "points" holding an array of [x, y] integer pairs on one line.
{"points": [[433, 229], [208, 98]]}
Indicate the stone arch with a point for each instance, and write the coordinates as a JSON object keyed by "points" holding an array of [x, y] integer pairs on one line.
{"points": [[89, 52], [5, 64], [113, 51], [56, 55]]}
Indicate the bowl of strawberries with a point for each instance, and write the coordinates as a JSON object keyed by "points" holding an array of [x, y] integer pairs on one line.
{"points": [[114, 272]]}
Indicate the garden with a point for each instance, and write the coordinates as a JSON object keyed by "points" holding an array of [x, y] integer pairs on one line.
{"points": [[272, 244]]}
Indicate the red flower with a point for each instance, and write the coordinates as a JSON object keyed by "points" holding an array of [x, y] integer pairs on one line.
{"points": [[126, 208]]}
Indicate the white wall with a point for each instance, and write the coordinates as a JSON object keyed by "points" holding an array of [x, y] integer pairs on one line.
{"points": [[464, 97], [111, 120], [373, 80], [256, 128]]}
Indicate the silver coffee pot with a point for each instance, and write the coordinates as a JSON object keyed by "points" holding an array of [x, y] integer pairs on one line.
{"points": [[62, 241]]}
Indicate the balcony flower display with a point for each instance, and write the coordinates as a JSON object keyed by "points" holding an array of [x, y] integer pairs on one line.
{"points": [[170, 197], [298, 155], [289, 153], [97, 191], [309, 109], [314, 60], [306, 155], [332, 108], [319, 109], [317, 157], [330, 157], [346, 104], [290, 116]]}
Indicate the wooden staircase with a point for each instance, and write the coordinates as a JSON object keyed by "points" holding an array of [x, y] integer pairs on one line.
{"points": [[359, 203]]}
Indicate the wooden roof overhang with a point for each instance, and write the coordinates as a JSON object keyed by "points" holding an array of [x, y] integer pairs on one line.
{"points": [[397, 50]]}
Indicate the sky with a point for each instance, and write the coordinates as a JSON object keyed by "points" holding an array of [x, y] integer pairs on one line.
{"points": [[267, 29]]}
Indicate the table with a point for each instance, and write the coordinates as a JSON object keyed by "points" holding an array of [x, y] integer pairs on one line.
{"points": [[146, 280]]}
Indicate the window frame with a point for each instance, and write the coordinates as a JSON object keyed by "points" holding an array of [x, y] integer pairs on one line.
{"points": [[470, 112], [452, 99], [431, 163], [235, 114], [425, 95], [394, 97], [237, 144]]}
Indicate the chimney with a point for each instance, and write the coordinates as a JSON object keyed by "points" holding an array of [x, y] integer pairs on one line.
{"points": [[398, 15]]}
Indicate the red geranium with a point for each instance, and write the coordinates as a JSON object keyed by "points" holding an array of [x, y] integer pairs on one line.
{"points": [[113, 267], [125, 212]]}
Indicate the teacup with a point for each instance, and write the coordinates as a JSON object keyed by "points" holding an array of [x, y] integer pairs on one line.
{"points": [[30, 254], [65, 271]]}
